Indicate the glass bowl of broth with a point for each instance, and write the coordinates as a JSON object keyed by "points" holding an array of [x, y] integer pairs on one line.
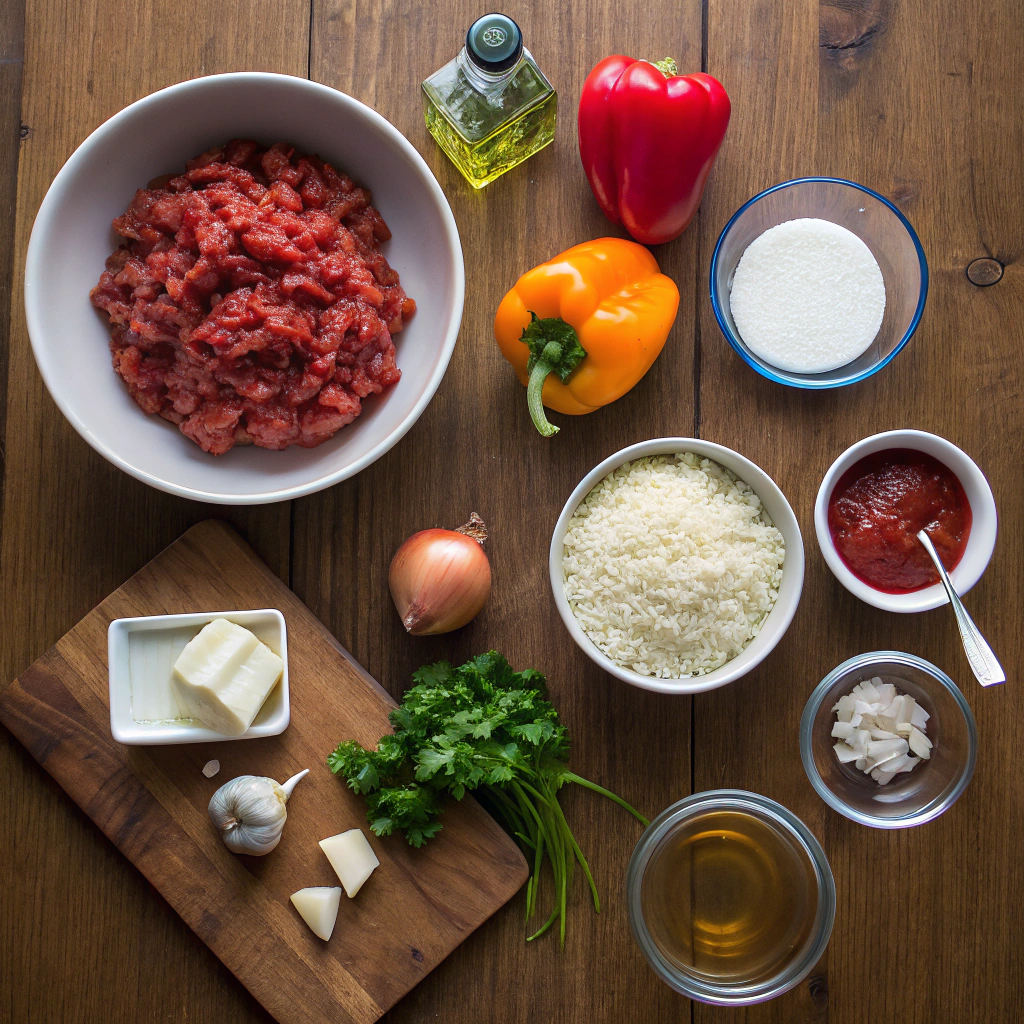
{"points": [[731, 898]]}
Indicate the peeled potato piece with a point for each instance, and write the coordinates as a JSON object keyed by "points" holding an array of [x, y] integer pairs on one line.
{"points": [[318, 906]]}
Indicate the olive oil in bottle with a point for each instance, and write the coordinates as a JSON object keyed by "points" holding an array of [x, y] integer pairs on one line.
{"points": [[491, 107], [729, 898]]}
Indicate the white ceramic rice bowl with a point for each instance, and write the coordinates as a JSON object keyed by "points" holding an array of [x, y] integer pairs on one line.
{"points": [[777, 507]]}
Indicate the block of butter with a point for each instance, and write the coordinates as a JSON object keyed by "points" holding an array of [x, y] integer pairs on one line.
{"points": [[223, 676]]}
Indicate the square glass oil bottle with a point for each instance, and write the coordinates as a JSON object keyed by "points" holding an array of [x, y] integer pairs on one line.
{"points": [[491, 107]]}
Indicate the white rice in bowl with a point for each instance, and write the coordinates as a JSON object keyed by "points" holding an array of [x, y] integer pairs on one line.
{"points": [[671, 565]]}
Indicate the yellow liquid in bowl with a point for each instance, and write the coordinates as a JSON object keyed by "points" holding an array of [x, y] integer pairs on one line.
{"points": [[729, 898]]}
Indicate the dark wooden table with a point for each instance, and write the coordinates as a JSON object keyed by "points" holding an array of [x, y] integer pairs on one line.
{"points": [[923, 102]]}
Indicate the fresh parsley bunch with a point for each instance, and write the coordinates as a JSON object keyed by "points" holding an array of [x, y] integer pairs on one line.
{"points": [[480, 726]]}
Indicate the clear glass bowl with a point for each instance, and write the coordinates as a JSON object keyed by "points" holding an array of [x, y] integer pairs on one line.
{"points": [[794, 836], [911, 798], [886, 232]]}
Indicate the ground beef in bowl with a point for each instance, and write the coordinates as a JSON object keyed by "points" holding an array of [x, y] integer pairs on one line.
{"points": [[250, 303]]}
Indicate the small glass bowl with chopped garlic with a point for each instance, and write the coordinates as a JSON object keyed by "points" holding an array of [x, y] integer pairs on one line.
{"points": [[907, 797]]}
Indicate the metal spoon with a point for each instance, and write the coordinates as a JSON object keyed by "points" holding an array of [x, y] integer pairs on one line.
{"points": [[979, 654]]}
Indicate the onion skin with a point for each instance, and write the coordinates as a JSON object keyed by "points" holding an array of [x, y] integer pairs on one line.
{"points": [[439, 581]]}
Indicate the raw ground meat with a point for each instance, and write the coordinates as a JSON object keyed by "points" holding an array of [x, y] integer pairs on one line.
{"points": [[250, 303]]}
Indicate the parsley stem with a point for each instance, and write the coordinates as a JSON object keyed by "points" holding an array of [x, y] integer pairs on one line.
{"points": [[579, 856], [544, 927], [572, 777]]}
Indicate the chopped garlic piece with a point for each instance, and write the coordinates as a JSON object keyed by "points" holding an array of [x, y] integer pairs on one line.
{"points": [[920, 744], [352, 858], [879, 730], [318, 906], [211, 768], [867, 691], [844, 753]]}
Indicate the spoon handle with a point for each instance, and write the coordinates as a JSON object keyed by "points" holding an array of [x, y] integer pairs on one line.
{"points": [[983, 661]]}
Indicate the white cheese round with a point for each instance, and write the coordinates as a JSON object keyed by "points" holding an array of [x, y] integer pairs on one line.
{"points": [[807, 296]]}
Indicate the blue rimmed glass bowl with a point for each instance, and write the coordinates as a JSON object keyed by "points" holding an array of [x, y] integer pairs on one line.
{"points": [[885, 231]]}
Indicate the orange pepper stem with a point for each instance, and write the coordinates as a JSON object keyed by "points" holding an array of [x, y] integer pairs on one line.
{"points": [[545, 365]]}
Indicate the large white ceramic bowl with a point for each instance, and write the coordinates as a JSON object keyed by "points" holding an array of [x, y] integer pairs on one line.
{"points": [[72, 237], [777, 507], [980, 543]]}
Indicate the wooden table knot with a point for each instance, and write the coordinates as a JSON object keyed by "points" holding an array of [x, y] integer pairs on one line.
{"points": [[984, 271], [818, 988]]}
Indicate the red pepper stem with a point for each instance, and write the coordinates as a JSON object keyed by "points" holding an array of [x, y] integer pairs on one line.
{"points": [[535, 389], [667, 66]]}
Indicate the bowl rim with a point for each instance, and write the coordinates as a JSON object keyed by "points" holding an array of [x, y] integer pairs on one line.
{"points": [[743, 800], [931, 810], [49, 207], [984, 527], [804, 381], [755, 477]]}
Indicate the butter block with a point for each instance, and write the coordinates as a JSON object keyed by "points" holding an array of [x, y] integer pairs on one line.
{"points": [[223, 676]]}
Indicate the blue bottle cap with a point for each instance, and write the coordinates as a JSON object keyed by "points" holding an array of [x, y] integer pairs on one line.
{"points": [[494, 43]]}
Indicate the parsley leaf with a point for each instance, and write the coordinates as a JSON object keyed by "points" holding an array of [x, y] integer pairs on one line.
{"points": [[480, 727]]}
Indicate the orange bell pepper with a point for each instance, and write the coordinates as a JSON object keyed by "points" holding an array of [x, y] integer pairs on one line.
{"points": [[583, 328]]}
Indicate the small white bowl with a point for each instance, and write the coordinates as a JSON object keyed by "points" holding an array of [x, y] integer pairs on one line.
{"points": [[72, 237], [777, 507], [980, 544], [147, 647]]}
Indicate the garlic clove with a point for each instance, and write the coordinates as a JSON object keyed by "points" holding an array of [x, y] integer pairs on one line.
{"points": [[318, 906], [352, 858]]}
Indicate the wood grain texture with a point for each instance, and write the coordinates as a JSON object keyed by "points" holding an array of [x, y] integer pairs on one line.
{"points": [[924, 103], [151, 802], [885, 94], [475, 449], [74, 528]]}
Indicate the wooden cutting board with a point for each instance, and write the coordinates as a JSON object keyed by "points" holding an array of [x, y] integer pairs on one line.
{"points": [[151, 802]]}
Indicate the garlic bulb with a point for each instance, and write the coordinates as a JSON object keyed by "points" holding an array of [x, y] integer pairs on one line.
{"points": [[249, 812]]}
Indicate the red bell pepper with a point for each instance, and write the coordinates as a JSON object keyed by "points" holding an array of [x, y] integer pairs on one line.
{"points": [[648, 138]]}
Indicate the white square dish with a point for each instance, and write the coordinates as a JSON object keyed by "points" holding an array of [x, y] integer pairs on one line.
{"points": [[143, 651]]}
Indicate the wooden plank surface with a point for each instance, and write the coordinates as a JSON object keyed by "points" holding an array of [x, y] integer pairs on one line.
{"points": [[151, 802], [74, 528], [924, 104], [885, 95]]}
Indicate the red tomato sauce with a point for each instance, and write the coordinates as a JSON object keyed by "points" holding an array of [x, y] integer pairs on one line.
{"points": [[879, 505]]}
